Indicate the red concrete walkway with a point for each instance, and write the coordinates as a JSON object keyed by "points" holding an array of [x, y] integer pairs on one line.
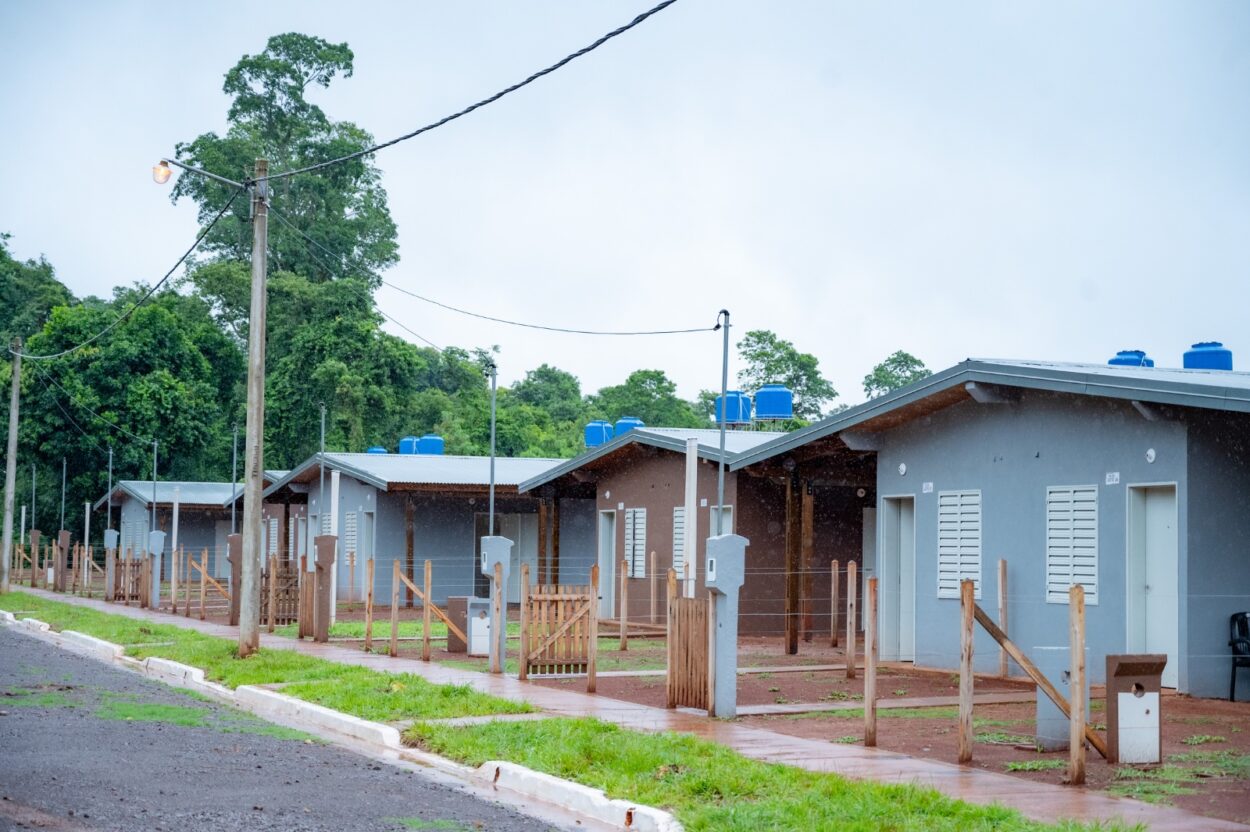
{"points": [[1040, 801]]}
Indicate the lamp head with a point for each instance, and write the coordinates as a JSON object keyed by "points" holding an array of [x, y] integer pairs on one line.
{"points": [[161, 172]]}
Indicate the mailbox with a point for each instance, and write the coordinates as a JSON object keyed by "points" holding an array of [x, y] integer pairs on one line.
{"points": [[110, 539], [478, 619], [496, 550], [458, 612], [1133, 721]]}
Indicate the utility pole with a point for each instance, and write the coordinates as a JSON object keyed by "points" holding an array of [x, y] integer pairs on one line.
{"points": [[152, 517], [108, 505], [10, 466], [493, 376], [724, 415], [253, 489], [234, 479], [321, 473], [64, 469]]}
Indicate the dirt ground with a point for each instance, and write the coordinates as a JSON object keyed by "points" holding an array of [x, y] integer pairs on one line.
{"points": [[1206, 748]]}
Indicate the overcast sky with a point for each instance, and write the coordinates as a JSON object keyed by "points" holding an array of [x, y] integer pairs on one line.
{"points": [[1023, 180]]}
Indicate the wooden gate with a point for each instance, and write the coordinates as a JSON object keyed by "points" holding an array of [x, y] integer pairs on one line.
{"points": [[279, 589], [687, 678], [559, 628], [127, 577]]}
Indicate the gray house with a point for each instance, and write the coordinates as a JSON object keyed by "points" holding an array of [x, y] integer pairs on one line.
{"points": [[203, 517], [414, 507], [1132, 481]]}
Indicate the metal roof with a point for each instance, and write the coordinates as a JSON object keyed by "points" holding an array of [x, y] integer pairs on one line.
{"points": [[189, 493], [384, 470], [670, 439], [1208, 389]]}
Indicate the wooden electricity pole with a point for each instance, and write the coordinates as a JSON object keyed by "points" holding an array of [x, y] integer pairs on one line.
{"points": [[253, 488]]}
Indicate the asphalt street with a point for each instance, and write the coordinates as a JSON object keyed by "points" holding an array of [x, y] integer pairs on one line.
{"points": [[84, 746]]}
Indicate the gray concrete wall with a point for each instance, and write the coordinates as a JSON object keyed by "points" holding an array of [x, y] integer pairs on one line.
{"points": [[1011, 453], [1218, 573]]}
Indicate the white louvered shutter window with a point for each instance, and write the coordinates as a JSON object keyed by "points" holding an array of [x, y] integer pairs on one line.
{"points": [[349, 532], [272, 544], [290, 537], [325, 522], [679, 541], [636, 541], [959, 541], [1071, 542]]}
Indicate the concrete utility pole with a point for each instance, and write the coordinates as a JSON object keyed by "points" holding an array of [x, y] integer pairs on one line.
{"points": [[724, 416], [10, 466], [234, 479], [254, 438], [64, 471], [494, 374], [108, 503]]}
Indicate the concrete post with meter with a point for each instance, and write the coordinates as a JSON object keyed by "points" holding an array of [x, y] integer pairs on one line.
{"points": [[156, 550], [496, 549], [726, 568], [110, 563]]}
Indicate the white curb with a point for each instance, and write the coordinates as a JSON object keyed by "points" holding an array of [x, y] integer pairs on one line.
{"points": [[7, 617], [576, 797], [34, 624], [98, 647], [264, 702]]}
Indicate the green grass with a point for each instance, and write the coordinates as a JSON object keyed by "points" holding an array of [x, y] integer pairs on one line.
{"points": [[708, 786], [1001, 738], [432, 825], [1036, 765], [1203, 739], [1156, 785], [152, 712], [359, 691], [1215, 763], [34, 698]]}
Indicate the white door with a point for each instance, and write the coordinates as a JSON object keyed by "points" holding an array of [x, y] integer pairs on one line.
{"points": [[607, 563], [897, 581], [1154, 576]]}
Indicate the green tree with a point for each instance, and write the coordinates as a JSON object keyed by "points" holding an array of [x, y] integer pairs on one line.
{"points": [[773, 360], [649, 395], [557, 392], [899, 370], [29, 291], [342, 207]]}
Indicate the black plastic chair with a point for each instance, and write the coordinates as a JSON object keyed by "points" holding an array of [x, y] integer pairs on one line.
{"points": [[1239, 641]]}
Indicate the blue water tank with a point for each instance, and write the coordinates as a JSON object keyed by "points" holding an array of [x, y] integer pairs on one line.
{"points": [[1208, 355], [1131, 358], [598, 432], [774, 401], [408, 445], [627, 423], [737, 411], [431, 444], [376, 449]]}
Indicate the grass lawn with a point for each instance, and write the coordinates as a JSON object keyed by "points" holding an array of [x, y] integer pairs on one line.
{"points": [[368, 694], [709, 787]]}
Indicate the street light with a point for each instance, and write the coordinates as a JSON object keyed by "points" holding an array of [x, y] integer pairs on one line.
{"points": [[161, 172]]}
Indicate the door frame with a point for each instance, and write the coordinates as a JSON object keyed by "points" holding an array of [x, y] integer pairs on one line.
{"points": [[607, 571], [1131, 566], [885, 568]]}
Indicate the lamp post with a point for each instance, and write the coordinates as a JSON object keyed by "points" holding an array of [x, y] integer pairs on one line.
{"points": [[494, 373]]}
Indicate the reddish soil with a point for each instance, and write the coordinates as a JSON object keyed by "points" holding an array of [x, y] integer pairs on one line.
{"points": [[1217, 771]]}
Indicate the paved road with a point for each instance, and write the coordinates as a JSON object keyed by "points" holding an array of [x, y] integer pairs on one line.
{"points": [[84, 746]]}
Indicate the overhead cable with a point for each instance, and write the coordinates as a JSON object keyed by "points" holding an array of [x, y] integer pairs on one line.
{"points": [[115, 426], [478, 105], [146, 296]]}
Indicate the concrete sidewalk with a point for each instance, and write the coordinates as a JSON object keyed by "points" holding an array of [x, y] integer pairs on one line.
{"points": [[1040, 801]]}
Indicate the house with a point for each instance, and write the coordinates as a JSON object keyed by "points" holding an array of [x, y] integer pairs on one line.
{"points": [[1132, 481], [411, 507], [634, 486]]}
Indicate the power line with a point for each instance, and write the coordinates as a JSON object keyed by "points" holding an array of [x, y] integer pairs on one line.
{"points": [[282, 219], [75, 400], [539, 74], [77, 426], [566, 330], [147, 295]]}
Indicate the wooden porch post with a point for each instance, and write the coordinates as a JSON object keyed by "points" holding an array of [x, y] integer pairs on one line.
{"points": [[555, 540], [543, 561], [409, 564], [806, 542], [792, 549]]}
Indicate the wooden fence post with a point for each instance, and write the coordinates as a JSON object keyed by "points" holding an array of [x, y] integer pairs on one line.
{"points": [[1076, 722], [1002, 613], [670, 694], [870, 663], [523, 653], [203, 582], [186, 580], [591, 679], [833, 604], [499, 620], [273, 591], [967, 600], [427, 611], [369, 606], [852, 584], [623, 601], [394, 651]]}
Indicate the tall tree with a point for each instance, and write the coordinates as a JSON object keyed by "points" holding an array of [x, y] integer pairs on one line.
{"points": [[553, 390], [29, 291], [773, 360], [649, 395], [342, 207], [899, 370]]}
